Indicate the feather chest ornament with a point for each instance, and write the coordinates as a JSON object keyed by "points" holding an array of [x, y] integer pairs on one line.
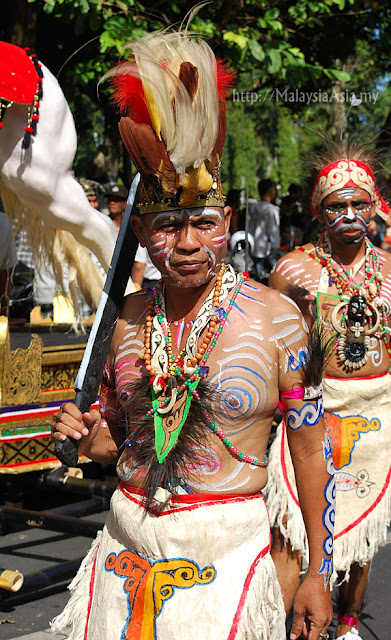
{"points": [[172, 93], [174, 380]]}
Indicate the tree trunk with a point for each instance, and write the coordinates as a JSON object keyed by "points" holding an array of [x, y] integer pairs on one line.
{"points": [[384, 137], [19, 25]]}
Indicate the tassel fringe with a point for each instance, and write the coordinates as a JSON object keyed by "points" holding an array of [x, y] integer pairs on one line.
{"points": [[358, 546], [283, 511], [57, 248], [363, 541], [73, 618], [263, 615]]}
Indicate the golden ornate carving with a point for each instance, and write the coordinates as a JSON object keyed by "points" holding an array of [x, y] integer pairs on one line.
{"points": [[4, 347], [60, 376], [22, 374]]}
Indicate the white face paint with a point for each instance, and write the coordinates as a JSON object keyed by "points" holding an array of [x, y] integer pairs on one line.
{"points": [[187, 246], [346, 213], [347, 193]]}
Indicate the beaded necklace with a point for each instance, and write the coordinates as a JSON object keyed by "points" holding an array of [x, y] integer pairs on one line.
{"points": [[348, 290], [188, 378]]}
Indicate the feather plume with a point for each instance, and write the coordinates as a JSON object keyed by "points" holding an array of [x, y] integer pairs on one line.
{"points": [[159, 58], [148, 154], [316, 361], [213, 162], [129, 96], [296, 293], [225, 79], [317, 343], [182, 92], [182, 459], [188, 75]]}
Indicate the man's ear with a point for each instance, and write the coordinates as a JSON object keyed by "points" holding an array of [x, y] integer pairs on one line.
{"points": [[138, 228], [320, 215], [227, 219]]}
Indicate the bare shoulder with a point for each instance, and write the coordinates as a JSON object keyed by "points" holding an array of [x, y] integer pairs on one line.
{"points": [[385, 258], [134, 307], [265, 302], [131, 318], [297, 256], [291, 267]]}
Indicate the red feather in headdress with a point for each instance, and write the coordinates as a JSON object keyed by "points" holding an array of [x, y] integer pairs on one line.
{"points": [[225, 78], [129, 96]]}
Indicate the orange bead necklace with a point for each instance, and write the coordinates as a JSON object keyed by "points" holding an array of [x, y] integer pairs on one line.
{"points": [[178, 361]]}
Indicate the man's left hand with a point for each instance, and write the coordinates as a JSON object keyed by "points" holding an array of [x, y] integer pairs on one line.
{"points": [[313, 610]]}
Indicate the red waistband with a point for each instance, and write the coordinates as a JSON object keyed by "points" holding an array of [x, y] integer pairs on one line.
{"points": [[194, 498], [378, 375]]}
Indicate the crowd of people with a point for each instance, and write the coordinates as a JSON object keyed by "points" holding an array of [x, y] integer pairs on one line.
{"points": [[275, 226]]}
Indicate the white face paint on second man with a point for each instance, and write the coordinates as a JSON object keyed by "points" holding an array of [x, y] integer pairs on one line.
{"points": [[346, 213]]}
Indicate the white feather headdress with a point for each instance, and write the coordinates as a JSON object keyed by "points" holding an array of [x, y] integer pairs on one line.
{"points": [[173, 94]]}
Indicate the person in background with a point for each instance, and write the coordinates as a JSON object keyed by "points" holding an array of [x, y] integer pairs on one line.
{"points": [[342, 284], [292, 217], [265, 227], [92, 190], [144, 272], [116, 196], [233, 201]]}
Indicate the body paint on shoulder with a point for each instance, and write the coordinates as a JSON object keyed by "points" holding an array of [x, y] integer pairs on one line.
{"points": [[296, 361], [254, 300]]}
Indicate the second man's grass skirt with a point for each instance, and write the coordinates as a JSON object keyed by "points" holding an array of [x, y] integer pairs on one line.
{"points": [[358, 420]]}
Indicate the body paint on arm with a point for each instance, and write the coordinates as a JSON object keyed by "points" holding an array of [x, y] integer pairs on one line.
{"points": [[308, 415], [328, 517]]}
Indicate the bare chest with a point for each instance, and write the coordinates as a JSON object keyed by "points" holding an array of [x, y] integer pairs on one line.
{"points": [[241, 374]]}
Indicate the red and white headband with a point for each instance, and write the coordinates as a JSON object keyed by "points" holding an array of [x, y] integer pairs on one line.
{"points": [[347, 173]]}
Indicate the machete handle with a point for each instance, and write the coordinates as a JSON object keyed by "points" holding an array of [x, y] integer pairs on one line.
{"points": [[67, 451]]}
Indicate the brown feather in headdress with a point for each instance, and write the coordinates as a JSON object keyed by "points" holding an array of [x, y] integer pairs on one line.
{"points": [[149, 154]]}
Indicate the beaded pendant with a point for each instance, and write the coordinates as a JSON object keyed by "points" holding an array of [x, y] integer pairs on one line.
{"points": [[353, 341], [363, 308]]}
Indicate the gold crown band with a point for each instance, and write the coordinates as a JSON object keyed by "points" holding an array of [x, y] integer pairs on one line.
{"points": [[152, 201]]}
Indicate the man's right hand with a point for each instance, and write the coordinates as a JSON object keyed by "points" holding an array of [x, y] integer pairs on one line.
{"points": [[68, 421]]}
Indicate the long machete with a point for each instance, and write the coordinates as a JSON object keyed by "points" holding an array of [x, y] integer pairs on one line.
{"points": [[90, 373]]}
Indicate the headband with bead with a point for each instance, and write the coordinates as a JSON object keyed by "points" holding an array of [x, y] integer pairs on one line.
{"points": [[347, 173]]}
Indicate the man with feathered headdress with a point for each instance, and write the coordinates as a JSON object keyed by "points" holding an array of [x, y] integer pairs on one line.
{"points": [[189, 391], [342, 283]]}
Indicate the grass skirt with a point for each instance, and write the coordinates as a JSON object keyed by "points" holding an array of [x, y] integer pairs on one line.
{"points": [[195, 567]]}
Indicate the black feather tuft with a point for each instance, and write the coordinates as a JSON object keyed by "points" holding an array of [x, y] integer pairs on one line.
{"points": [[26, 140], [314, 369], [296, 293], [184, 455]]}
